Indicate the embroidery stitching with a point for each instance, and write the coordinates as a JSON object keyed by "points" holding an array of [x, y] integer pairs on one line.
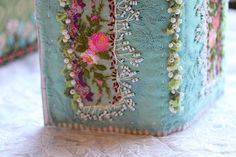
{"points": [[174, 68], [201, 37], [93, 48], [209, 33]]}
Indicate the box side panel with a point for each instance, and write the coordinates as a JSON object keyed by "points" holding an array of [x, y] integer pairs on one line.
{"points": [[151, 91]]}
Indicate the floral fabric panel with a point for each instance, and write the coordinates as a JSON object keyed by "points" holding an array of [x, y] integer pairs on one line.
{"points": [[17, 29], [210, 34], [215, 38], [100, 64]]}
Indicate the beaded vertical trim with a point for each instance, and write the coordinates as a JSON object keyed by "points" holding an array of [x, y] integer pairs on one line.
{"points": [[201, 37], [174, 66], [122, 56]]}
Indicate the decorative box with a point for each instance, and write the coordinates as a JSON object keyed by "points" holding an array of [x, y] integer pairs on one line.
{"points": [[130, 66], [17, 29]]}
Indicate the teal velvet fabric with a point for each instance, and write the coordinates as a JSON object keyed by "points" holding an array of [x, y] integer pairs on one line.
{"points": [[152, 94]]}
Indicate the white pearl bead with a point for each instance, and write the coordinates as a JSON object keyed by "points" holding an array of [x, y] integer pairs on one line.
{"points": [[170, 74], [178, 30], [72, 91], [171, 45], [72, 74], [64, 32], [67, 36], [65, 40], [69, 66], [66, 60], [81, 105], [62, 4], [179, 1], [171, 60], [73, 82], [70, 51], [78, 100], [172, 20], [177, 11], [68, 21]]}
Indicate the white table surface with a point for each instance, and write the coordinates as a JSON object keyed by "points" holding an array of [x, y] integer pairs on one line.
{"points": [[22, 133]]}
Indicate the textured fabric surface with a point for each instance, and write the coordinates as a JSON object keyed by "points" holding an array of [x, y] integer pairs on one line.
{"points": [[23, 135]]}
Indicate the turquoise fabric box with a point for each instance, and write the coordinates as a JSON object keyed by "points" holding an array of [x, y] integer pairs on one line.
{"points": [[130, 66], [17, 29]]}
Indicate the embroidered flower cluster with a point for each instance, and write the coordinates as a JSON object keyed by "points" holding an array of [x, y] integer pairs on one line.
{"points": [[84, 47], [209, 34], [88, 47], [215, 38], [174, 68]]}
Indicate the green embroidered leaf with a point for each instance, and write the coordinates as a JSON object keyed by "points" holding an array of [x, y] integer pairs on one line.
{"points": [[61, 16], [100, 67], [104, 55], [67, 92], [89, 31], [67, 77], [81, 48], [82, 41], [108, 91], [98, 101], [98, 28], [100, 8], [174, 83], [86, 73], [88, 18], [98, 76], [69, 85], [175, 102], [74, 105]]}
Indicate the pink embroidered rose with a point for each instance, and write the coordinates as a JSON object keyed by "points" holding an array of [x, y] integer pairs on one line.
{"points": [[93, 3], [99, 82], [212, 38], [94, 18], [100, 94], [12, 26], [89, 57], [216, 22], [98, 42], [2, 42]]}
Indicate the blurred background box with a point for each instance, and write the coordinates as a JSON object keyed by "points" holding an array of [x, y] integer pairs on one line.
{"points": [[17, 29]]}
